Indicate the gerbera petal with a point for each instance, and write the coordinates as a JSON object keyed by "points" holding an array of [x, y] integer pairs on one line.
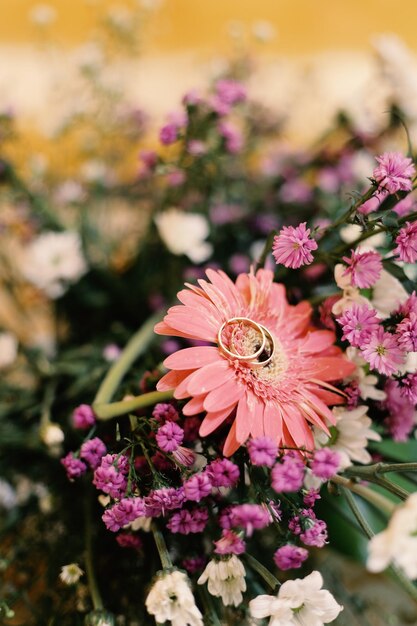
{"points": [[194, 406], [181, 391], [226, 395], [192, 358], [297, 427], [331, 368], [231, 444], [318, 341], [273, 422], [213, 420], [244, 417], [257, 421], [227, 286], [329, 397], [209, 377], [172, 379]]}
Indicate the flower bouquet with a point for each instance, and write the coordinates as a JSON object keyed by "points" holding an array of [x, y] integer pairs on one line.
{"points": [[192, 408]]}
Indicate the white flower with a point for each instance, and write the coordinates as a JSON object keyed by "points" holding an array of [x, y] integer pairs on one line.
{"points": [[226, 579], [8, 497], [398, 542], [184, 233], [300, 602], [351, 295], [51, 434], [388, 294], [54, 260], [71, 574], [366, 382], [171, 599], [8, 349], [351, 435]]}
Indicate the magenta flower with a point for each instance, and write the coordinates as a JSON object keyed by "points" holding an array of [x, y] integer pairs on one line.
{"points": [[400, 421], [169, 437], [358, 323], [293, 246], [315, 534], [233, 137], [92, 451], [394, 172], [407, 333], [383, 352], [310, 497], [408, 387], [230, 543], [159, 501], [250, 517], [290, 557], [73, 466], [325, 463], [168, 134], [83, 417], [288, 475], [122, 513], [129, 540], [165, 412], [197, 487], [110, 475], [185, 522], [230, 91], [262, 451], [364, 268], [223, 473], [406, 241]]}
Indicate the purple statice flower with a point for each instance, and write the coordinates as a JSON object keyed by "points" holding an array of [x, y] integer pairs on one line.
{"points": [[110, 475], [232, 135], [229, 543], [294, 525], [382, 352], [129, 540], [401, 412], [325, 463], [194, 564], [165, 412], [364, 268], [123, 512], [223, 473], [310, 497], [159, 501], [92, 451], [262, 451], [168, 134], [358, 323], [407, 333], [315, 533], [394, 172], [288, 475], [250, 517], [83, 417], [293, 246], [230, 91], [73, 466], [185, 522], [197, 487], [169, 437], [290, 557], [408, 387], [406, 241]]}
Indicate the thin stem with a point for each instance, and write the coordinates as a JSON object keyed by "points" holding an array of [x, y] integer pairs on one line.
{"points": [[262, 571], [348, 213], [161, 547], [376, 499], [380, 468], [89, 562], [105, 411], [136, 346], [266, 250], [209, 610], [396, 490]]}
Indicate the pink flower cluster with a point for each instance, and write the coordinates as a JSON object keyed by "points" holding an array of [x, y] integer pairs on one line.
{"points": [[292, 247], [364, 268], [111, 475], [394, 172]]}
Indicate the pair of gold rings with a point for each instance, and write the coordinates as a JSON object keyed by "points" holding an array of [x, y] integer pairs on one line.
{"points": [[250, 359]]}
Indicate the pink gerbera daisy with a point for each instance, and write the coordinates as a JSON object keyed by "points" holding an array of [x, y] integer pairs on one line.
{"points": [[268, 369]]}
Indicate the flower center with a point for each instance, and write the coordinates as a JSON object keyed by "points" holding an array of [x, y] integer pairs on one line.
{"points": [[247, 341]]}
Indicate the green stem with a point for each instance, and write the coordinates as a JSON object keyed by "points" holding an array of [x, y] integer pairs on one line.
{"points": [[396, 490], [376, 499], [209, 610], [262, 571], [136, 346], [89, 563], [105, 411], [380, 468], [161, 547], [267, 249], [348, 213]]}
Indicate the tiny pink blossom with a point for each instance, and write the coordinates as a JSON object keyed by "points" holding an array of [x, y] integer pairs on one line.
{"points": [[358, 323], [197, 487], [83, 417], [230, 543], [407, 333], [315, 534], [400, 420], [383, 353], [223, 473], [233, 137], [159, 501], [196, 147], [290, 557], [185, 522], [292, 246], [169, 437], [262, 451], [92, 451], [408, 387], [364, 268], [164, 412], [250, 517], [406, 241], [73, 466], [129, 540], [288, 475], [394, 172], [325, 463], [230, 91], [310, 497], [168, 134]]}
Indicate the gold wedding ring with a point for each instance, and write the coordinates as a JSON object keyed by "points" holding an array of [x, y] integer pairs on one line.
{"points": [[250, 359]]}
